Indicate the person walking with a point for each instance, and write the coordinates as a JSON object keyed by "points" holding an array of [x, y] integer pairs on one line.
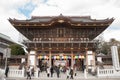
{"points": [[28, 73], [32, 71], [48, 71], [75, 71], [58, 71], [67, 72], [51, 71], [6, 71], [71, 73]]}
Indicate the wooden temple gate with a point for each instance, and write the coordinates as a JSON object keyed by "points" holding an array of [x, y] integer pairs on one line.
{"points": [[61, 37]]}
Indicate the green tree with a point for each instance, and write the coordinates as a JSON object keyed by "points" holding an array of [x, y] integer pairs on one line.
{"points": [[105, 48], [113, 41], [17, 49]]}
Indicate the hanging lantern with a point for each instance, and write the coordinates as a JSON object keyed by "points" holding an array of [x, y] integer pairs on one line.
{"points": [[40, 57], [54, 57], [69, 57], [61, 57], [65, 57], [44, 57], [80, 56], [57, 57], [75, 57]]}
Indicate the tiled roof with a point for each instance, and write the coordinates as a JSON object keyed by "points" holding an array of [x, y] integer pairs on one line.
{"points": [[69, 18]]}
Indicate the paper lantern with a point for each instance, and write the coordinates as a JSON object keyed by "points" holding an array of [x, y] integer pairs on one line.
{"points": [[65, 57], [44, 57], [54, 57], [69, 57], [57, 57], [74, 57], [40, 57], [80, 56], [62, 57]]}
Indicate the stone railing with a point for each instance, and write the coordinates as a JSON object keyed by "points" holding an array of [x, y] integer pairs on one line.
{"points": [[2, 72], [108, 73], [105, 72], [16, 73]]}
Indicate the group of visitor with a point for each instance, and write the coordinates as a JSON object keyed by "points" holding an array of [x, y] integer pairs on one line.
{"points": [[69, 71], [56, 69]]}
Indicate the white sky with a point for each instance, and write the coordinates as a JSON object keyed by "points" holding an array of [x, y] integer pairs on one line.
{"points": [[24, 9]]}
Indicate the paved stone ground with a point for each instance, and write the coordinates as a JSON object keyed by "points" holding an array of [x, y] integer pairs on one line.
{"points": [[80, 76], [62, 79]]}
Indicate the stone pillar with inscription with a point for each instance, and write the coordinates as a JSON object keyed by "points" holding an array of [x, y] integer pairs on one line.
{"points": [[115, 58], [32, 58], [90, 60]]}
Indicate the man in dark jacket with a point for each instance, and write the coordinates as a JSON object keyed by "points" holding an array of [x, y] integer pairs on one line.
{"points": [[58, 71], [51, 71], [6, 71], [71, 73]]}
